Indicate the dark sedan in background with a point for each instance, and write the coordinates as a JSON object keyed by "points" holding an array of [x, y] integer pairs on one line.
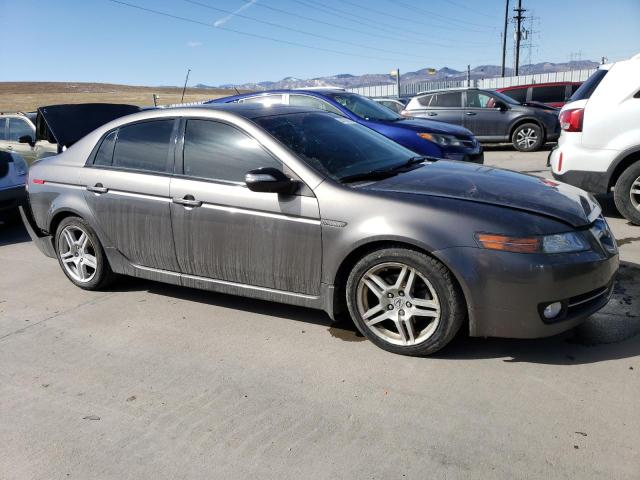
{"points": [[492, 117], [311, 208], [422, 136]]}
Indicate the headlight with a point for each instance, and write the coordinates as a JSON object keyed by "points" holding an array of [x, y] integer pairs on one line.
{"points": [[442, 140], [557, 243]]}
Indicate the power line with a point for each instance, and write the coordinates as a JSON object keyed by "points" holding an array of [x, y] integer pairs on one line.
{"points": [[445, 18], [284, 27], [466, 7], [254, 35]]}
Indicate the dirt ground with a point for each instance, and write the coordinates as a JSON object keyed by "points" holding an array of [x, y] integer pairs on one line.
{"points": [[27, 96]]}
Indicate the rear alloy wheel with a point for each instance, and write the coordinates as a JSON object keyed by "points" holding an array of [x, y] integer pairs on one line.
{"points": [[527, 137], [627, 193], [404, 301], [80, 254]]}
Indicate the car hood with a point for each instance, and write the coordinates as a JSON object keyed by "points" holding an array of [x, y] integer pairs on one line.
{"points": [[477, 183], [429, 126]]}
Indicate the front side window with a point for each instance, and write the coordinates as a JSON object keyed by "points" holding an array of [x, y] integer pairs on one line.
{"points": [[19, 128], [548, 94], [217, 151], [312, 102], [333, 145], [144, 146], [364, 107]]}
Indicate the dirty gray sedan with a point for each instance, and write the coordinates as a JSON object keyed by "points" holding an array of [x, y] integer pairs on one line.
{"points": [[309, 208]]}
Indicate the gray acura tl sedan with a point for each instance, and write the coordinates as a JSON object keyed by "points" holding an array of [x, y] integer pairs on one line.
{"points": [[309, 208]]}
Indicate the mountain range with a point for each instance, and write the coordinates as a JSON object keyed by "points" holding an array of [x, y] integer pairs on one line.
{"points": [[347, 80]]}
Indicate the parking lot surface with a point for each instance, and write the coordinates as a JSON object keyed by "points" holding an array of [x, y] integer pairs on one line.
{"points": [[147, 380]]}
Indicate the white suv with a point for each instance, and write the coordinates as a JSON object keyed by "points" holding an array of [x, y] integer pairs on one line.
{"points": [[599, 147]]}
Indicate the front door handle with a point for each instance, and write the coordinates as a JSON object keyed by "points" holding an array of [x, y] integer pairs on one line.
{"points": [[97, 188], [187, 201], [470, 113], [432, 114]]}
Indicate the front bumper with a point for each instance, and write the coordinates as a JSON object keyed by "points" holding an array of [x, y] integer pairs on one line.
{"points": [[506, 292]]}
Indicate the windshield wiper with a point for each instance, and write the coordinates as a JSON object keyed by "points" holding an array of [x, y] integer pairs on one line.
{"points": [[411, 161], [370, 175]]}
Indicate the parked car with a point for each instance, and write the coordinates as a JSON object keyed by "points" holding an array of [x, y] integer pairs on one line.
{"points": [[13, 172], [310, 208], [491, 116], [553, 94], [16, 126], [422, 136], [392, 103], [599, 148]]}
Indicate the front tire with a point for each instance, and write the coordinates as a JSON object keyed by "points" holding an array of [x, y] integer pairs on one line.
{"points": [[404, 301], [627, 193], [81, 255], [527, 137]]}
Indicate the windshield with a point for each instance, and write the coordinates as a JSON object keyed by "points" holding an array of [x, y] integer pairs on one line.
{"points": [[364, 107], [334, 145], [587, 88]]}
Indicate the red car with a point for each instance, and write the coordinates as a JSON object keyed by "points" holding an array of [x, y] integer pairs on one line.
{"points": [[552, 94]]}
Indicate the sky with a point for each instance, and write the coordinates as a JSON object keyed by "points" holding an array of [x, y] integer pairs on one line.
{"points": [[240, 41]]}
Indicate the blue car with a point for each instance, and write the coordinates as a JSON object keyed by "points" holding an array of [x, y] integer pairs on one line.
{"points": [[425, 137]]}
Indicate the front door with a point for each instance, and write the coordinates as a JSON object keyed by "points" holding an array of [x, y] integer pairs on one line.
{"points": [[127, 188], [224, 231], [483, 117]]}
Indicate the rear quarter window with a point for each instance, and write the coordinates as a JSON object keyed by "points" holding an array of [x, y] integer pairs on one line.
{"points": [[589, 86]]}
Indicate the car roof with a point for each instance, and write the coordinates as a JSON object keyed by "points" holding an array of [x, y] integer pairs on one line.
{"points": [[546, 84], [250, 110], [309, 91]]}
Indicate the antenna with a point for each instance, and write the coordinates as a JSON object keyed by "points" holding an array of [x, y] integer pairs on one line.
{"points": [[234, 87], [185, 85]]}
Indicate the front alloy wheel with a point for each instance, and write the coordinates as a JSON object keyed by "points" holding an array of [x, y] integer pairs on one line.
{"points": [[527, 137], [405, 301], [626, 193]]}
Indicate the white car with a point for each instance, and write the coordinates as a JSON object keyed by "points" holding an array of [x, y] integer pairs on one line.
{"points": [[599, 147]]}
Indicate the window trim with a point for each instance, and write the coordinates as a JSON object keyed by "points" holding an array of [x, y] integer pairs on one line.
{"points": [[170, 156], [179, 152]]}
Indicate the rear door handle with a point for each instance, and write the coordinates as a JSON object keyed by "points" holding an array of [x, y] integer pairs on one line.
{"points": [[97, 188], [470, 113], [187, 201], [432, 114]]}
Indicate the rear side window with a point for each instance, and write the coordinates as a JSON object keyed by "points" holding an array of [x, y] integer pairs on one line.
{"points": [[445, 100], [312, 102], [104, 155], [3, 133], [144, 146], [588, 87], [217, 151], [263, 99], [553, 94], [518, 94]]}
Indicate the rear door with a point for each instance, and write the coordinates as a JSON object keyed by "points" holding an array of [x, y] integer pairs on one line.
{"points": [[483, 118], [226, 232], [441, 106], [127, 188]]}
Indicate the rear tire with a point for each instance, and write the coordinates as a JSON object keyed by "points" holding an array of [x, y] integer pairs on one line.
{"points": [[404, 301], [627, 193], [527, 137], [81, 256]]}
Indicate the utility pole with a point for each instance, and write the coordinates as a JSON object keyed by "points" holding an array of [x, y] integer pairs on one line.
{"points": [[504, 36], [398, 80], [185, 85], [468, 75], [518, 18]]}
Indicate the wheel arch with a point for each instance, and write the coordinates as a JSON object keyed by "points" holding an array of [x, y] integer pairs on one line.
{"points": [[350, 260], [624, 161], [521, 121], [60, 215]]}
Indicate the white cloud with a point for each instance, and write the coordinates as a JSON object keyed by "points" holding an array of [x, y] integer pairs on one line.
{"points": [[194, 44], [223, 20]]}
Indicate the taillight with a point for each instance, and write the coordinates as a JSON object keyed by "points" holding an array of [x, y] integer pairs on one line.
{"points": [[38, 181], [571, 120], [405, 113]]}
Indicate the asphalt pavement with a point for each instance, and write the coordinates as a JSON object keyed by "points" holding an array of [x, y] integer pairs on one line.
{"points": [[147, 380]]}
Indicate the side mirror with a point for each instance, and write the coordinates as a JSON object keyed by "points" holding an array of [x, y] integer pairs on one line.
{"points": [[269, 180], [501, 105], [27, 139]]}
